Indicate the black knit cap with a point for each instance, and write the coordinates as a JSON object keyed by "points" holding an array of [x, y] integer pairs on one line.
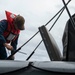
{"points": [[19, 21]]}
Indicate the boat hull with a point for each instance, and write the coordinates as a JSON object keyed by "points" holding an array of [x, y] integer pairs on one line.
{"points": [[10, 67]]}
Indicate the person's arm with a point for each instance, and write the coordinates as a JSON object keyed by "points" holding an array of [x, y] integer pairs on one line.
{"points": [[3, 26], [14, 43], [9, 47]]}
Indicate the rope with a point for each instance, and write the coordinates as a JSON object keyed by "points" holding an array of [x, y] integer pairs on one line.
{"points": [[34, 50], [23, 53], [71, 19]]}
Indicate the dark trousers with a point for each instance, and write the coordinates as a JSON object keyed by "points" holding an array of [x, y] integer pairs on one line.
{"points": [[3, 53]]}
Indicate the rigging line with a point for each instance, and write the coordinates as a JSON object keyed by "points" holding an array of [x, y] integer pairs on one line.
{"points": [[34, 51], [57, 13], [30, 39], [71, 19], [42, 40], [56, 19], [35, 33]]}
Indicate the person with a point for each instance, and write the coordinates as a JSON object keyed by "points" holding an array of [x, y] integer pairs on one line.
{"points": [[68, 41], [9, 33]]}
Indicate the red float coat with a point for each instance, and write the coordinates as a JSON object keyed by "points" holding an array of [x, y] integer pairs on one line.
{"points": [[10, 33]]}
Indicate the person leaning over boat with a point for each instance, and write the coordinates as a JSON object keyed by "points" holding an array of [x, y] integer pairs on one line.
{"points": [[9, 33], [68, 41]]}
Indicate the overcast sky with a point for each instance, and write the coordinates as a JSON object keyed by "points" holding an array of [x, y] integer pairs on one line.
{"points": [[36, 14]]}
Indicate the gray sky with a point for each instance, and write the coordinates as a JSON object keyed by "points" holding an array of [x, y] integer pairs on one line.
{"points": [[36, 14]]}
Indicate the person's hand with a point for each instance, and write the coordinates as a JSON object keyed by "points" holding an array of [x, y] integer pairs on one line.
{"points": [[9, 47]]}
